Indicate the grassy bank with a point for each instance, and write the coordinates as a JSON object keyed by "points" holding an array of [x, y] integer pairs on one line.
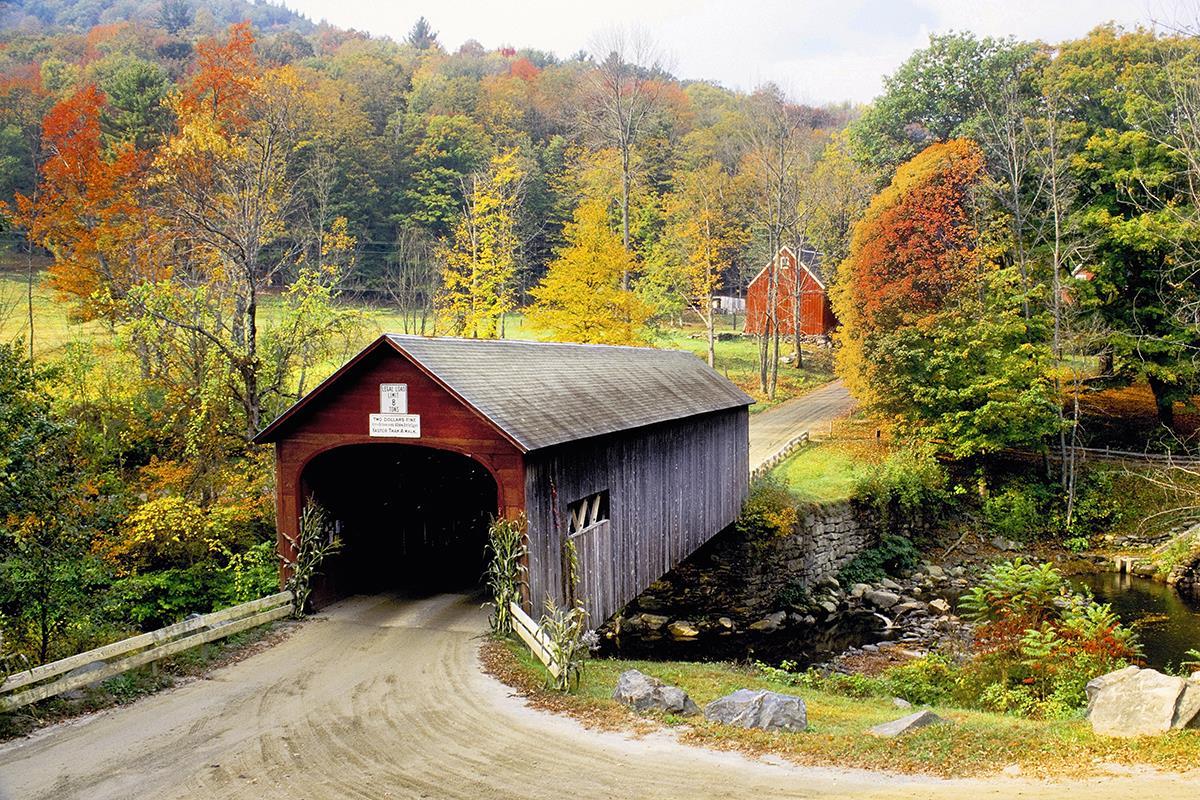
{"points": [[975, 743], [827, 472]]}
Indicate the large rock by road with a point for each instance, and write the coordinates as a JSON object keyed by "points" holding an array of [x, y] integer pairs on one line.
{"points": [[770, 711], [1142, 702], [643, 693], [903, 725]]}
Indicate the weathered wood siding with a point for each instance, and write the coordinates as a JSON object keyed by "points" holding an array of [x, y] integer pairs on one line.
{"points": [[671, 487]]}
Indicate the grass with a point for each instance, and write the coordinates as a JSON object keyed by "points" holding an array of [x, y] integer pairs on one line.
{"points": [[975, 743], [826, 472], [55, 332]]}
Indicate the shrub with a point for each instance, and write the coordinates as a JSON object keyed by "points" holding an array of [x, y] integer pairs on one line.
{"points": [[924, 681], [893, 555], [1020, 511], [770, 510], [1037, 643], [570, 642], [910, 484]]}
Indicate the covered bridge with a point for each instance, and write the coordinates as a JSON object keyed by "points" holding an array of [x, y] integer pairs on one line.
{"points": [[638, 456]]}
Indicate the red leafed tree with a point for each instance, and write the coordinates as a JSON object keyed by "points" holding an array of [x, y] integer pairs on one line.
{"points": [[86, 209], [916, 245], [225, 76]]}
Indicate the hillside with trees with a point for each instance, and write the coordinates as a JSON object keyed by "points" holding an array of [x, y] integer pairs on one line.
{"points": [[223, 194]]}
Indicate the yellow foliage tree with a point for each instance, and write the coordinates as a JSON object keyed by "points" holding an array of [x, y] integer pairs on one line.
{"points": [[481, 259], [581, 299], [705, 232]]}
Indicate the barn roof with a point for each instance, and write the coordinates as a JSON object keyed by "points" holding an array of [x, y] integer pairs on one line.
{"points": [[809, 260], [545, 393]]}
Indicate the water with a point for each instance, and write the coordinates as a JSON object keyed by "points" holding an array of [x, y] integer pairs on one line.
{"points": [[800, 644], [1167, 624]]}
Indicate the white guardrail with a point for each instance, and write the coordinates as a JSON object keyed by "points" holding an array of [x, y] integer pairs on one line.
{"points": [[532, 634], [31, 685], [791, 446]]}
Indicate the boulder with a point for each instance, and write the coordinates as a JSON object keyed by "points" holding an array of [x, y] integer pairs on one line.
{"points": [[888, 583], [682, 629], [859, 589], [725, 623], [768, 711], [881, 598], [934, 571], [769, 623], [1142, 702], [643, 693], [900, 702], [940, 605], [903, 725], [654, 622]]}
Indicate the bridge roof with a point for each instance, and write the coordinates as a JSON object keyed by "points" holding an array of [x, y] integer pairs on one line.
{"points": [[546, 393]]}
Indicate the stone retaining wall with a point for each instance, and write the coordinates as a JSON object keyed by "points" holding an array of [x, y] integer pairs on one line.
{"points": [[731, 576]]}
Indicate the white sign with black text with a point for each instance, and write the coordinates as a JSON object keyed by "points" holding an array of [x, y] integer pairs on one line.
{"points": [[396, 426], [393, 398]]}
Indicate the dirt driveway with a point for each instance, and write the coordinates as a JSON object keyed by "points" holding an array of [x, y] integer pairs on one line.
{"points": [[384, 698], [773, 428]]}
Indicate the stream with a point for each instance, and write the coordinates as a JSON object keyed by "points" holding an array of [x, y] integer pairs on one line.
{"points": [[1167, 624]]}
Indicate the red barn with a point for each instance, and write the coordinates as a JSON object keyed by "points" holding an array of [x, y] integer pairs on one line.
{"points": [[815, 312]]}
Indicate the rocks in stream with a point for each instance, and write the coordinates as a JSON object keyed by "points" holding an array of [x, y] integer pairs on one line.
{"points": [[1142, 702], [768, 711], [643, 693]]}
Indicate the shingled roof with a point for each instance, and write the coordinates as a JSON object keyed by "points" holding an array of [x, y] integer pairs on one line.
{"points": [[546, 393]]}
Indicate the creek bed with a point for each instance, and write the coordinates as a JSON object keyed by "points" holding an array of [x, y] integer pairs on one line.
{"points": [[1167, 623], [798, 643]]}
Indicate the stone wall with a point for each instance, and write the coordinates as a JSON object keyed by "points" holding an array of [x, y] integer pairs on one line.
{"points": [[743, 579]]}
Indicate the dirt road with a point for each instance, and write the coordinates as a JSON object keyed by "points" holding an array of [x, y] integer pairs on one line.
{"points": [[771, 430], [384, 698]]}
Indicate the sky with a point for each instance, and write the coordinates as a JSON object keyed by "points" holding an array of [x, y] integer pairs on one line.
{"points": [[819, 51]]}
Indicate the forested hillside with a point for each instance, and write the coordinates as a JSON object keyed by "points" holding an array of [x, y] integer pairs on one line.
{"points": [[1007, 228]]}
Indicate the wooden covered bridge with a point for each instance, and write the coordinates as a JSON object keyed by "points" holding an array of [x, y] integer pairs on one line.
{"points": [[637, 455]]}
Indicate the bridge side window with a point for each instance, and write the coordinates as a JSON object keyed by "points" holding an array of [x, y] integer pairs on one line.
{"points": [[583, 514]]}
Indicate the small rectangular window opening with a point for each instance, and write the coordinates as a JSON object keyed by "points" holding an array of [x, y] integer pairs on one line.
{"points": [[583, 514]]}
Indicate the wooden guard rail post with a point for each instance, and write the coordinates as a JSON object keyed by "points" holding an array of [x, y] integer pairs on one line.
{"points": [[140, 650], [532, 634]]}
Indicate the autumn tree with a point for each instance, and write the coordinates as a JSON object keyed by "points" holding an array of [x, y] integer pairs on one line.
{"points": [[780, 148], [86, 209], [621, 94], [477, 286], [581, 298], [704, 235], [932, 331]]}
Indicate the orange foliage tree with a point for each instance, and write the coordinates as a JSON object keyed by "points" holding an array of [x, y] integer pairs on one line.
{"points": [[932, 335], [86, 210]]}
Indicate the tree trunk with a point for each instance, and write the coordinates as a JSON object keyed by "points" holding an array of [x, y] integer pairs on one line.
{"points": [[1164, 401]]}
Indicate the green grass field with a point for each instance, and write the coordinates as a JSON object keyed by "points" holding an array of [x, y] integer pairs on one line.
{"points": [[973, 743], [55, 331], [825, 472]]}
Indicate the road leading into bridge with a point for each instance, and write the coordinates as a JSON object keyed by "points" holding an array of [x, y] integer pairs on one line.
{"points": [[773, 428], [381, 697]]}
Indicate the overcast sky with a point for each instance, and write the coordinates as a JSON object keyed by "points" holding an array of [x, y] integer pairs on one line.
{"points": [[819, 50]]}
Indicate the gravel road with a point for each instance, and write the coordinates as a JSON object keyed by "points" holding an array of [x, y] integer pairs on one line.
{"points": [[384, 698], [771, 429]]}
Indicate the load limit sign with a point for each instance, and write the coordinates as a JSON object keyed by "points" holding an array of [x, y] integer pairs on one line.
{"points": [[393, 420]]}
